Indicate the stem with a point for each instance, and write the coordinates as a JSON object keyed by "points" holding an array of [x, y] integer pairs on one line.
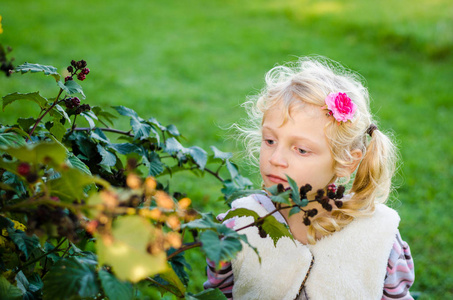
{"points": [[44, 255], [45, 113], [182, 249], [215, 174], [261, 218], [128, 133]]}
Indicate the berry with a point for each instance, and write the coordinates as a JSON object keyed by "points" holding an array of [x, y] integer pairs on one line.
{"points": [[83, 63], [339, 204], [280, 188], [340, 191], [75, 101], [23, 169], [70, 69], [312, 212], [68, 78], [81, 76], [73, 63], [85, 71], [307, 221]]}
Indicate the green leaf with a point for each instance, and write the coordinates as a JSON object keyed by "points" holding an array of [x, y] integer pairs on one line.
{"points": [[108, 158], [209, 294], [115, 289], [70, 186], [99, 112], [89, 120], [75, 162], [26, 123], [219, 249], [233, 169], [207, 221], [57, 110], [70, 277], [58, 130], [199, 156], [71, 87], [11, 139], [282, 198], [25, 243], [34, 68], [39, 153], [152, 161], [221, 155], [124, 111], [35, 97], [179, 263], [243, 193], [99, 135], [294, 210], [173, 130], [153, 121], [172, 145], [128, 254], [275, 229], [173, 280], [9, 291], [295, 196], [241, 212], [125, 148], [140, 129]]}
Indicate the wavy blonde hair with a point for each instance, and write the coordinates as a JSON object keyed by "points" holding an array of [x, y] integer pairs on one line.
{"points": [[310, 80]]}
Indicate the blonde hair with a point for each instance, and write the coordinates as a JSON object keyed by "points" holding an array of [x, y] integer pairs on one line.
{"points": [[310, 80]]}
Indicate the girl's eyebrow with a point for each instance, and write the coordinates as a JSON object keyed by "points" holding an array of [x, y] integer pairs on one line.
{"points": [[295, 137]]}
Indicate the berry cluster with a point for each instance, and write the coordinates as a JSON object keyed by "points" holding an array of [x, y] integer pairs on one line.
{"points": [[333, 194], [78, 69], [24, 169], [53, 221]]}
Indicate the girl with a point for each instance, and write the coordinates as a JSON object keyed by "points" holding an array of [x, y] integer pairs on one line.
{"points": [[312, 122]]}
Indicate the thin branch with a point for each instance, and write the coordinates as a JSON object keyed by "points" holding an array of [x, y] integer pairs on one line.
{"points": [[45, 113], [214, 174], [44, 255], [128, 133], [182, 249]]}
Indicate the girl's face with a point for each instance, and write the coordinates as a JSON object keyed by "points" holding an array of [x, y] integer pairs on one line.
{"points": [[298, 148]]}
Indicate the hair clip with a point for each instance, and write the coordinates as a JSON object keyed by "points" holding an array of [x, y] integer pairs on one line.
{"points": [[340, 106]]}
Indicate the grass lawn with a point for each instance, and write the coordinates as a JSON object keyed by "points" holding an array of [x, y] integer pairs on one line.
{"points": [[192, 63]]}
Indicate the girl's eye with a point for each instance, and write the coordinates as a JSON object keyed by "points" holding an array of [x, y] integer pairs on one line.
{"points": [[269, 142], [301, 151]]}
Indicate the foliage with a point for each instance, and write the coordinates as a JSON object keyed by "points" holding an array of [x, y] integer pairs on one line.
{"points": [[86, 216]]}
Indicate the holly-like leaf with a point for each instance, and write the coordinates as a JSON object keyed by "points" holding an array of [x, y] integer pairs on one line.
{"points": [[34, 68], [71, 277], [221, 155], [125, 148], [115, 289], [39, 153], [199, 156], [295, 196], [219, 249], [35, 97], [153, 163], [25, 243], [57, 129], [275, 229], [11, 139], [71, 87], [108, 158], [127, 254], [241, 212]]}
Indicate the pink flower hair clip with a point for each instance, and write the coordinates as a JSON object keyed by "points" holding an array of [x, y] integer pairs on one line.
{"points": [[340, 106]]}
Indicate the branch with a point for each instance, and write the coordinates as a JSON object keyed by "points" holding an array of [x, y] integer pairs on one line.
{"points": [[45, 113], [128, 133], [182, 249], [45, 254]]}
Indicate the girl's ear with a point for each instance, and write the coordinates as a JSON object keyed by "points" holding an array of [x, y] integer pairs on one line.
{"points": [[349, 168]]}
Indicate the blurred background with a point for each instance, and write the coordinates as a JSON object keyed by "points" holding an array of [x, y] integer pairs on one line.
{"points": [[192, 63]]}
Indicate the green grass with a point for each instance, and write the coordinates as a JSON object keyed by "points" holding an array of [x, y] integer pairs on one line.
{"points": [[191, 63]]}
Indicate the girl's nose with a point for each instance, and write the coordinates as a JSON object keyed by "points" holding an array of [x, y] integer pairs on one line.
{"points": [[278, 158]]}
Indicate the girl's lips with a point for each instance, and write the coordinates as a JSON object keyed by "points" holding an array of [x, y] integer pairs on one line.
{"points": [[276, 179]]}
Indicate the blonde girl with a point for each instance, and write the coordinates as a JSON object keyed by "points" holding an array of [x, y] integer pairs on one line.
{"points": [[312, 122]]}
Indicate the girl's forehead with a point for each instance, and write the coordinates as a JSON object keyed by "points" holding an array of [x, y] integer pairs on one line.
{"points": [[280, 111]]}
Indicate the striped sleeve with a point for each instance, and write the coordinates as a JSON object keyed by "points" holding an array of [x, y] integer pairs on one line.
{"points": [[400, 272], [221, 278]]}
